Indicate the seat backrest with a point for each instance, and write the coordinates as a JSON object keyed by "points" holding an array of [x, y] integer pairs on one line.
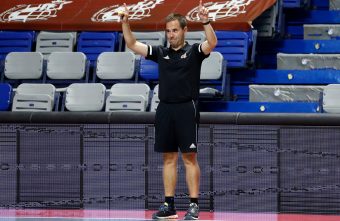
{"points": [[48, 42], [66, 65], [155, 99], [150, 38], [94, 43], [24, 65], [235, 47], [128, 97], [5, 96], [148, 69], [331, 102], [34, 97], [85, 97], [15, 41], [131, 89], [195, 37], [265, 24], [116, 65], [212, 67]]}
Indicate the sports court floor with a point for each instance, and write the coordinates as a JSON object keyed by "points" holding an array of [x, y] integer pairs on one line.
{"points": [[88, 215]]}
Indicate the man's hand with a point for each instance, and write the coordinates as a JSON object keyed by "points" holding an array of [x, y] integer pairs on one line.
{"points": [[203, 13], [124, 15]]}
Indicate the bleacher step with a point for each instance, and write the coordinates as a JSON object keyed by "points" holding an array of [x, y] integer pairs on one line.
{"points": [[285, 93], [308, 61], [321, 31]]}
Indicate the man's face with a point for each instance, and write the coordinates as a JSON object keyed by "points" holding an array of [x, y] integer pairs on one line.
{"points": [[175, 34]]}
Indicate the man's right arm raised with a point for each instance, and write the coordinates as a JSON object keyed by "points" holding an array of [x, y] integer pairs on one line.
{"points": [[130, 40]]}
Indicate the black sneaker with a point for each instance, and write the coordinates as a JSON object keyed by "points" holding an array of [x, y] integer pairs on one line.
{"points": [[192, 213], [165, 212]]}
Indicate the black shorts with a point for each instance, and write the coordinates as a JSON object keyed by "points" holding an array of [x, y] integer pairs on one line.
{"points": [[176, 127]]}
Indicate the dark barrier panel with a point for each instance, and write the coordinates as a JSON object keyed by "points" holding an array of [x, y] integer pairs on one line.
{"points": [[249, 162]]}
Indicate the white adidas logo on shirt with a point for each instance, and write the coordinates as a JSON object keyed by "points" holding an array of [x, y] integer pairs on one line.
{"points": [[192, 146]]}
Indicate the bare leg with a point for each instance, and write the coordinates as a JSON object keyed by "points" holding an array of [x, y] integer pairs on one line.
{"points": [[193, 173], [170, 173]]}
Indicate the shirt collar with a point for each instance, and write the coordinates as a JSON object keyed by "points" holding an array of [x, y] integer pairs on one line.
{"points": [[184, 48]]}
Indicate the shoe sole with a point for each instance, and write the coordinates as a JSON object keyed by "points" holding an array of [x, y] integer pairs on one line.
{"points": [[191, 218], [167, 217]]}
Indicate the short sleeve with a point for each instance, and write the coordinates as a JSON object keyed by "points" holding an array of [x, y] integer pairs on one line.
{"points": [[153, 52]]}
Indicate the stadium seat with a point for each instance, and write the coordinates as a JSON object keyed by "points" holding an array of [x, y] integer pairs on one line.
{"points": [[148, 70], [34, 97], [84, 97], [21, 66], [154, 99], [48, 42], [195, 37], [214, 76], [238, 48], [128, 97], [116, 66], [270, 22], [334, 5], [150, 38], [94, 43], [67, 67], [5, 96], [15, 41], [330, 99], [296, 3]]}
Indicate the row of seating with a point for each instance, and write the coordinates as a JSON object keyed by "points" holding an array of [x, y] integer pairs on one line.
{"points": [[120, 97], [236, 46], [79, 97], [64, 68]]}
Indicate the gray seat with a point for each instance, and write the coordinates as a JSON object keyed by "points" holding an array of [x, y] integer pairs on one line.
{"points": [[154, 99], [285, 93], [116, 65], [266, 23], [334, 5], [150, 38], [212, 67], [321, 31], [308, 61], [213, 73], [48, 42], [34, 97], [128, 97], [85, 97], [66, 65], [330, 98], [24, 65]]}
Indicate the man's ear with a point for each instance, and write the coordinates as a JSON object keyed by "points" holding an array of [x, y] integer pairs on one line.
{"points": [[185, 29]]}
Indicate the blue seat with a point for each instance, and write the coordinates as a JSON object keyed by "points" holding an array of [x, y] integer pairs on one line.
{"points": [[237, 48], [5, 96], [296, 3], [148, 70], [94, 43], [15, 41]]}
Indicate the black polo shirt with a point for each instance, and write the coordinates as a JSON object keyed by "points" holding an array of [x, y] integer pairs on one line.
{"points": [[179, 72]]}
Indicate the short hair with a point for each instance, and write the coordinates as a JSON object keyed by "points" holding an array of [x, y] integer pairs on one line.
{"points": [[175, 16]]}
